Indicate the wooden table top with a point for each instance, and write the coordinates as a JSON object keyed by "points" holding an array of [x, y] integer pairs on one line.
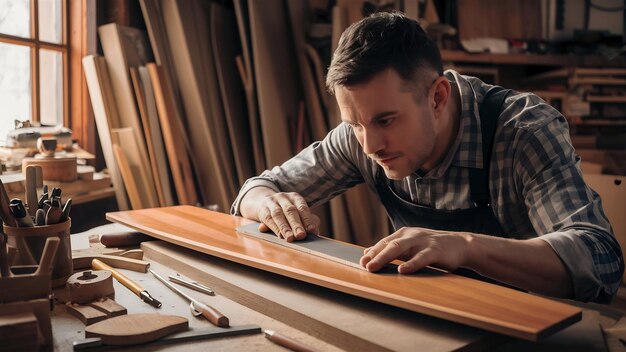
{"points": [[430, 292]]}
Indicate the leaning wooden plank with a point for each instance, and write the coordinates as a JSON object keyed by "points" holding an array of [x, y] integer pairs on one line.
{"points": [[153, 16], [129, 178], [246, 71], [97, 77], [172, 135], [276, 77], [225, 48], [184, 21], [157, 136], [432, 292], [124, 138], [126, 47], [316, 119], [147, 131]]}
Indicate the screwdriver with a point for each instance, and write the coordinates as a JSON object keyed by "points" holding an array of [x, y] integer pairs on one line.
{"points": [[130, 284]]}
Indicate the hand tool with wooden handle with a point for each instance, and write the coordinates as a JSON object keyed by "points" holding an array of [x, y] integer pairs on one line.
{"points": [[130, 284], [212, 314], [5, 211], [31, 189]]}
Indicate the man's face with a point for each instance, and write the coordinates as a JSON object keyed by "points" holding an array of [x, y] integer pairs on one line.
{"points": [[395, 129]]}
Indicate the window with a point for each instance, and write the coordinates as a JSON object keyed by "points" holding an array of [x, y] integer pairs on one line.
{"points": [[33, 62]]}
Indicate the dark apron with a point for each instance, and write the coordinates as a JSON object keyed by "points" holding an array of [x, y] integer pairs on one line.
{"points": [[477, 219]]}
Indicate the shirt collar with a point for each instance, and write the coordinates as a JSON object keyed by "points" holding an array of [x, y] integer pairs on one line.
{"points": [[466, 151], [468, 148]]}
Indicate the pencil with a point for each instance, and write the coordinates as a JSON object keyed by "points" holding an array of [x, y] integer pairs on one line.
{"points": [[287, 342]]}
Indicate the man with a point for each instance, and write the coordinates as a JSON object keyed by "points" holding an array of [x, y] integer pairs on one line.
{"points": [[470, 179]]}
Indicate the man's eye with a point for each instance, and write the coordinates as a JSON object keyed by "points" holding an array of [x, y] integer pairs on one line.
{"points": [[385, 122]]}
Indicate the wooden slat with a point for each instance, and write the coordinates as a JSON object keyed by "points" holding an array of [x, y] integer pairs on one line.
{"points": [[157, 136], [430, 292], [276, 77], [172, 136], [225, 48], [105, 113], [140, 95], [186, 23], [126, 47], [124, 138], [246, 71]]}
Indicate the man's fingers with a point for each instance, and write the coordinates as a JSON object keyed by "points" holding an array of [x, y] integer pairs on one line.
{"points": [[308, 220], [392, 250], [419, 261]]}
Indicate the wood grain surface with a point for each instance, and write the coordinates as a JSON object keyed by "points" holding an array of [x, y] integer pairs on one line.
{"points": [[430, 291]]}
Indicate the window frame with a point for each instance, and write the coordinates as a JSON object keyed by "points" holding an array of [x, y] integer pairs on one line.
{"points": [[35, 45]]}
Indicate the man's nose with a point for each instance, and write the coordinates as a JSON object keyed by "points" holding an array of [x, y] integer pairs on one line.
{"points": [[373, 142]]}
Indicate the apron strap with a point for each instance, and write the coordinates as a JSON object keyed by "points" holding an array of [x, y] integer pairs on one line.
{"points": [[490, 109]]}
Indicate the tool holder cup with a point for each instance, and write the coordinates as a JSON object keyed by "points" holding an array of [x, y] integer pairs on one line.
{"points": [[30, 242]]}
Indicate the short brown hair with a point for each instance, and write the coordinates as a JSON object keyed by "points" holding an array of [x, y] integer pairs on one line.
{"points": [[380, 41]]}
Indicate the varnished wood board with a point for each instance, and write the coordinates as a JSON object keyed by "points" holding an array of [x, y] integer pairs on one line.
{"points": [[430, 292], [335, 317]]}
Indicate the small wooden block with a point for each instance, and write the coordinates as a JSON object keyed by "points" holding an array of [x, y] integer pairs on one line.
{"points": [[108, 307], [88, 315], [19, 332], [134, 329]]}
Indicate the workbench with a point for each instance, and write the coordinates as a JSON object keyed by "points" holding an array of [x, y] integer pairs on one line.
{"points": [[321, 318]]}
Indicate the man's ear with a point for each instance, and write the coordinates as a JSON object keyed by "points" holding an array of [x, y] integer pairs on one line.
{"points": [[439, 95]]}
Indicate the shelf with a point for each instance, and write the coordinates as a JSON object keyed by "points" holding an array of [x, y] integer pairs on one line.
{"points": [[531, 59]]}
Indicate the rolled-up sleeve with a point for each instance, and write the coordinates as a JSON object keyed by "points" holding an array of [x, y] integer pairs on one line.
{"points": [[568, 213]]}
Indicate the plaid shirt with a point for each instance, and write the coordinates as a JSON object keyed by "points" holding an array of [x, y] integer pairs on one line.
{"points": [[535, 182]]}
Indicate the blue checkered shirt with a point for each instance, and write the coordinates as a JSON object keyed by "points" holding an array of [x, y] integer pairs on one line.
{"points": [[535, 182]]}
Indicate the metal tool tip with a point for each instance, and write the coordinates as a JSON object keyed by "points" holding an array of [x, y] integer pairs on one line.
{"points": [[145, 296], [268, 333]]}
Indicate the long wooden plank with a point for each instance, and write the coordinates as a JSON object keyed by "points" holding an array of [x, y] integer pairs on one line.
{"points": [[246, 70], [157, 137], [430, 292], [124, 138], [193, 62], [276, 77], [140, 95], [329, 315], [105, 114], [126, 47], [225, 48], [173, 135]]}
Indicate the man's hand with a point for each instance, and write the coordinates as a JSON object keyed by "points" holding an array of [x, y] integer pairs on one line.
{"points": [[286, 214], [419, 247]]}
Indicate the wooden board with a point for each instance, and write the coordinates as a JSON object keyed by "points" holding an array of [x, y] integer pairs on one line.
{"points": [[208, 135], [277, 83], [329, 315], [157, 137], [140, 95], [225, 48], [430, 292], [105, 113], [124, 138], [173, 136], [126, 47], [246, 70]]}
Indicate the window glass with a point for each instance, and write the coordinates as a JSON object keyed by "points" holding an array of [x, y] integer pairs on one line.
{"points": [[51, 87], [15, 86], [50, 20], [15, 17]]}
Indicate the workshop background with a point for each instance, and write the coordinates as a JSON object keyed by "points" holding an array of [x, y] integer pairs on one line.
{"points": [[179, 102]]}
